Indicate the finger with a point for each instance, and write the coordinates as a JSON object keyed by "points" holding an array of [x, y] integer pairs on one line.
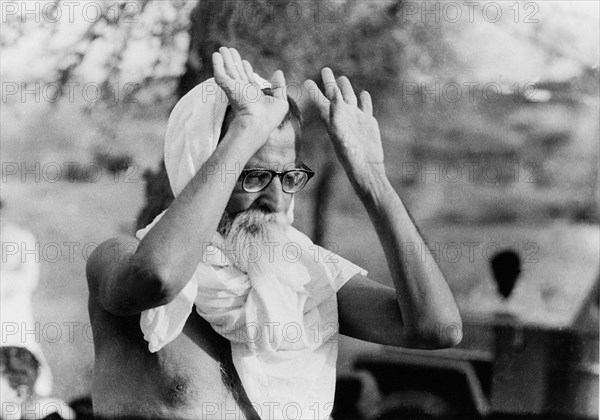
{"points": [[317, 98], [278, 84], [218, 68], [347, 91], [238, 63], [249, 72], [221, 77], [332, 91], [230, 66], [366, 105]]}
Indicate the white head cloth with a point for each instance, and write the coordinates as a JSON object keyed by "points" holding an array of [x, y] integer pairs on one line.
{"points": [[302, 373], [192, 135]]}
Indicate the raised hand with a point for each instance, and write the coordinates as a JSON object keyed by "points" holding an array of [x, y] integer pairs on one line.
{"points": [[352, 128], [243, 89]]}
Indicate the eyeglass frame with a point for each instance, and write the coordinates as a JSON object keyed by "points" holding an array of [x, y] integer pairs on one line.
{"points": [[303, 168]]}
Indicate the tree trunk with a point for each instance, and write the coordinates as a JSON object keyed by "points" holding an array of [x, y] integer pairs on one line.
{"points": [[205, 38]]}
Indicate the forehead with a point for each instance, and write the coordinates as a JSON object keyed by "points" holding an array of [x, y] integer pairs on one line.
{"points": [[278, 152]]}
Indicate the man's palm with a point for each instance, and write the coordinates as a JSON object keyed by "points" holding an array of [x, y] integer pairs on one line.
{"points": [[244, 91], [355, 136], [352, 128]]}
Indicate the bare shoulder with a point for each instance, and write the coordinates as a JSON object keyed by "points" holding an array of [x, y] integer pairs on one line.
{"points": [[106, 263], [122, 281]]}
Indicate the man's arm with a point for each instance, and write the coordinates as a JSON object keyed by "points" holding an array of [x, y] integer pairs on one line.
{"points": [[128, 277], [417, 312]]}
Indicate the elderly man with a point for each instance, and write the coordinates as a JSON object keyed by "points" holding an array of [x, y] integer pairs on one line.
{"points": [[172, 314]]}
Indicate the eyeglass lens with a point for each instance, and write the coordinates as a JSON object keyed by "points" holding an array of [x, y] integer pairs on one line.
{"points": [[293, 181], [256, 180]]}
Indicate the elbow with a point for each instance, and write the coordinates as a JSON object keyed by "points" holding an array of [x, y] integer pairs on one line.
{"points": [[157, 289], [151, 294], [446, 330], [156, 275], [449, 333], [437, 336], [144, 288], [451, 336]]}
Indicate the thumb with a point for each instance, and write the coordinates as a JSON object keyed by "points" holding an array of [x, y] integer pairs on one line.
{"points": [[278, 84]]}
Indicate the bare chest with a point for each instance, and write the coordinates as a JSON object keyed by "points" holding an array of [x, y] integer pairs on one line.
{"points": [[188, 378]]}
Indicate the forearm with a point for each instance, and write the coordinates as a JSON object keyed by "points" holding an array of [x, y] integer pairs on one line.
{"points": [[425, 300], [173, 248]]}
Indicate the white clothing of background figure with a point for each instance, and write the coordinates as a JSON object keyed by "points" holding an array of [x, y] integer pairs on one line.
{"points": [[19, 276]]}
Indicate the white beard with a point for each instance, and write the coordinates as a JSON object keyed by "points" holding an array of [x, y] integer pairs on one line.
{"points": [[249, 235], [282, 365], [259, 246]]}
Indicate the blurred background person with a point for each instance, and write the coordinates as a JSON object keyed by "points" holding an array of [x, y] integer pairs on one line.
{"points": [[19, 371], [19, 276], [506, 267]]}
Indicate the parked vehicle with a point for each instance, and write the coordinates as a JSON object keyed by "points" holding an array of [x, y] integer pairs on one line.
{"points": [[501, 370]]}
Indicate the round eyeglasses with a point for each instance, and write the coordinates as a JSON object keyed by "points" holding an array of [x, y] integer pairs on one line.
{"points": [[292, 181]]}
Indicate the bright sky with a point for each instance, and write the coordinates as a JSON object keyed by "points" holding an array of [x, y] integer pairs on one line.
{"points": [[504, 50], [498, 51]]}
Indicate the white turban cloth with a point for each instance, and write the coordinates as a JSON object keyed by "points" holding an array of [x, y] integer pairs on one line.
{"points": [[283, 334]]}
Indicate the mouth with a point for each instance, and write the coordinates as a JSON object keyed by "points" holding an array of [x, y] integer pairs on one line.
{"points": [[263, 208]]}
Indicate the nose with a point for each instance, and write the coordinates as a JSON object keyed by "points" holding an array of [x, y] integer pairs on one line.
{"points": [[273, 197]]}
